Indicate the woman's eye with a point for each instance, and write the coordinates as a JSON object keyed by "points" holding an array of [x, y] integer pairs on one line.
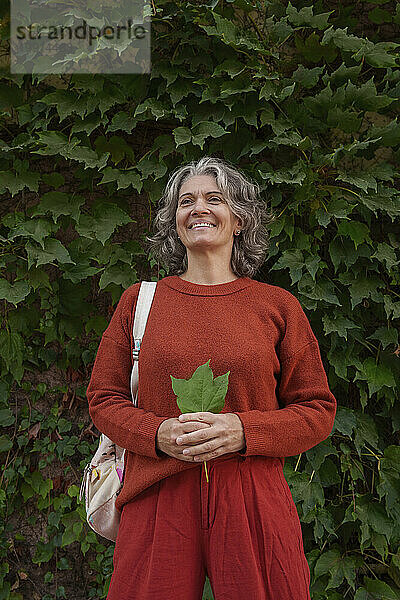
{"points": [[213, 199]]}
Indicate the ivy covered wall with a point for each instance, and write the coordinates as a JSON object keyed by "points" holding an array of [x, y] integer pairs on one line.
{"points": [[302, 96]]}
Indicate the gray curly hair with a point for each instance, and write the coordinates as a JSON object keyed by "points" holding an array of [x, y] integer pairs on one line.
{"points": [[249, 248]]}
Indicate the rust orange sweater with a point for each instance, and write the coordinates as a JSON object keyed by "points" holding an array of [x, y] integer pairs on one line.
{"points": [[258, 332]]}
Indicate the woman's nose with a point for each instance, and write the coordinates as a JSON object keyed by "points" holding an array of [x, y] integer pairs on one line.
{"points": [[200, 205]]}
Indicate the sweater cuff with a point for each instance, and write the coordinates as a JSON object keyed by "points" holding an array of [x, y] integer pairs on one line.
{"points": [[254, 434], [147, 434]]}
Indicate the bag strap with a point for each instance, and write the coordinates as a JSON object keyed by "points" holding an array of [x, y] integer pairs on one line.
{"points": [[143, 305]]}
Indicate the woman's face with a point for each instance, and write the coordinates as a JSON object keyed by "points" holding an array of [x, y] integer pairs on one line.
{"points": [[200, 200]]}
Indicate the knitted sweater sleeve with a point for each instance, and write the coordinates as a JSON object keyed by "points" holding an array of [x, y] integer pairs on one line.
{"points": [[108, 393], [308, 407]]}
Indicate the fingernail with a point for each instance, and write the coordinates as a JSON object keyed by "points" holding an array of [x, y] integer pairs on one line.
{"points": [[178, 440], [186, 451]]}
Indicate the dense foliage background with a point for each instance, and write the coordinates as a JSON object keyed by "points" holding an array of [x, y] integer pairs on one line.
{"points": [[303, 97]]}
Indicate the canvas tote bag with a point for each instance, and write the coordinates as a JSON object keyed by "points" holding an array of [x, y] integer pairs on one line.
{"points": [[103, 476]]}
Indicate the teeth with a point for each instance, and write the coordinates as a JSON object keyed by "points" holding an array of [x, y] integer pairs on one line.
{"points": [[202, 225]]}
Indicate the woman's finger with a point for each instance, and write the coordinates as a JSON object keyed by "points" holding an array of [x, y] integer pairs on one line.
{"points": [[209, 455], [207, 417], [196, 437], [191, 426], [208, 447]]}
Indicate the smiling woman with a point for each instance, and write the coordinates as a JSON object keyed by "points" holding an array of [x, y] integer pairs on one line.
{"points": [[205, 224], [221, 185], [241, 527]]}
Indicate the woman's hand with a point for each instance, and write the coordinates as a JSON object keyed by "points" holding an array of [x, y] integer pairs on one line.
{"points": [[170, 430], [224, 434]]}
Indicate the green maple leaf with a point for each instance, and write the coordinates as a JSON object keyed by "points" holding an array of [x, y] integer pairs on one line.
{"points": [[201, 392]]}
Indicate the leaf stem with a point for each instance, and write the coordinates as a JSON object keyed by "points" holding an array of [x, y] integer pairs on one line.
{"points": [[205, 468]]}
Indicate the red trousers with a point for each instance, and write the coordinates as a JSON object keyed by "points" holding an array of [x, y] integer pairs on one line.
{"points": [[241, 529]]}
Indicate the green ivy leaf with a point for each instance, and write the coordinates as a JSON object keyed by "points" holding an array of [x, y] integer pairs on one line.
{"points": [[44, 552], [6, 417], [181, 89], [40, 485], [388, 486], [106, 218], [122, 121], [345, 421], [57, 204], [269, 89], [379, 15], [89, 124], [308, 77], [363, 181], [12, 350], [225, 28], [366, 432], [155, 107], [66, 103], [38, 278], [53, 179], [55, 143], [123, 178], [16, 182], [151, 165], [204, 130], [374, 515], [98, 324], [361, 287], [345, 41], [118, 275], [385, 253], [182, 135], [89, 157], [231, 66], [338, 207], [322, 521], [339, 566], [358, 232], [239, 85], [376, 374], [53, 251], [26, 491], [37, 229], [309, 492], [116, 146], [317, 455], [392, 309], [386, 335], [14, 293], [338, 323], [379, 590], [321, 290], [79, 272], [5, 443], [305, 16], [293, 175], [384, 200], [292, 260]]}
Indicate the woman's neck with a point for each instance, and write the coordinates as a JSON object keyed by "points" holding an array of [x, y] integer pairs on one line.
{"points": [[209, 266], [209, 277]]}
